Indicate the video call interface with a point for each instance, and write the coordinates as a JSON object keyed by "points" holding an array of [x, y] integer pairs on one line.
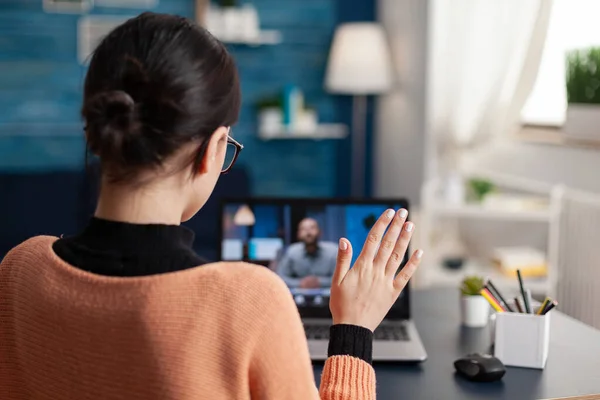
{"points": [[297, 241]]}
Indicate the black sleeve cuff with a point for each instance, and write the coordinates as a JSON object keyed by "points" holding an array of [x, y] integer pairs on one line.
{"points": [[351, 340]]}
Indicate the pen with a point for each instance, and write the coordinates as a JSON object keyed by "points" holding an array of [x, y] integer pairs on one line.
{"points": [[550, 307], [490, 298], [525, 302], [490, 286], [518, 305], [543, 306], [529, 300]]}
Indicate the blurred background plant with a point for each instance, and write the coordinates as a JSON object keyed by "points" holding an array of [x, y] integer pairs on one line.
{"points": [[228, 3], [479, 188], [471, 286], [583, 76]]}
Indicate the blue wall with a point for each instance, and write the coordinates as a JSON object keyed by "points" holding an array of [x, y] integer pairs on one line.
{"points": [[268, 220], [41, 80]]}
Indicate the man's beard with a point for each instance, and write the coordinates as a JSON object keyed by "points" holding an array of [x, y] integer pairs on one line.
{"points": [[311, 241]]}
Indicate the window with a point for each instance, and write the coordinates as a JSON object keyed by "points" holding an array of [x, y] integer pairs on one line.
{"points": [[573, 25]]}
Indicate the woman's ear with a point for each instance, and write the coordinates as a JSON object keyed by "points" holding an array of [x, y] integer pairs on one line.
{"points": [[215, 151]]}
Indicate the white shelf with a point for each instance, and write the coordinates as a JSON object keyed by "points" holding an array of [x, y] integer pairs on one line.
{"points": [[265, 37], [323, 131], [440, 276], [476, 211]]}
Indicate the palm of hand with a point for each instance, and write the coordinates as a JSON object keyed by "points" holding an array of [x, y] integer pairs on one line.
{"points": [[362, 295]]}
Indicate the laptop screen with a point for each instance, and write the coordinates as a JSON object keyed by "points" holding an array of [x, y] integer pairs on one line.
{"points": [[298, 238]]}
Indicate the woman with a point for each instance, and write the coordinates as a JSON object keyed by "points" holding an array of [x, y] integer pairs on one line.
{"points": [[126, 309]]}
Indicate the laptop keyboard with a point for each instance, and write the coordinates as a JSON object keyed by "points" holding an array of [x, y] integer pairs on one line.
{"points": [[385, 333], [318, 332], [396, 333]]}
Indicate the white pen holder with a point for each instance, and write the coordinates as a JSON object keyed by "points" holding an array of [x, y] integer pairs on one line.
{"points": [[522, 340]]}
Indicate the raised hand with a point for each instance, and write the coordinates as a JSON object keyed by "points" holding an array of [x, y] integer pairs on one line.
{"points": [[362, 295]]}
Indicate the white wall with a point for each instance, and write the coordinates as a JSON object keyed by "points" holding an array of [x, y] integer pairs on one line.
{"points": [[575, 167], [399, 139]]}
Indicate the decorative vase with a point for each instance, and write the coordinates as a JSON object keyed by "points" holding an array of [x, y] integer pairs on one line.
{"points": [[475, 311], [213, 20], [582, 122], [270, 121], [232, 19], [250, 25], [307, 122]]}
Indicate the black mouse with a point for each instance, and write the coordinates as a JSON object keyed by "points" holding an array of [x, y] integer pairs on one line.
{"points": [[480, 368]]}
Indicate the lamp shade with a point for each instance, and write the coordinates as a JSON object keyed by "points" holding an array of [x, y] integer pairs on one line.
{"points": [[359, 61], [244, 216]]}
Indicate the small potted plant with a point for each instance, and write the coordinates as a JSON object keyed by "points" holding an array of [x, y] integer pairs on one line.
{"points": [[480, 188], [475, 310], [583, 94], [270, 115]]}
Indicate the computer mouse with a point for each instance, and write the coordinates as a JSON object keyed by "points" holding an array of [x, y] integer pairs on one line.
{"points": [[480, 367]]}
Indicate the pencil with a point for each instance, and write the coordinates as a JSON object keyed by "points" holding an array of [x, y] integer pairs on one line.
{"points": [[543, 306], [488, 296], [525, 300], [529, 300], [518, 305], [550, 307], [490, 286]]}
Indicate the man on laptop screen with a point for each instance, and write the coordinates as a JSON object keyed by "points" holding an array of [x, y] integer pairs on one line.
{"points": [[309, 263], [297, 239]]}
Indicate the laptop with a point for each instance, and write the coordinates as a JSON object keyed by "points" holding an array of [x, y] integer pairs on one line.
{"points": [[297, 239]]}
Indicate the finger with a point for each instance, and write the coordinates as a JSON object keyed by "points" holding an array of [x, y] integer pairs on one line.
{"points": [[375, 235], [391, 237], [344, 258], [407, 272], [401, 245]]}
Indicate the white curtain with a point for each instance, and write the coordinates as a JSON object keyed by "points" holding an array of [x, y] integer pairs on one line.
{"points": [[483, 59]]}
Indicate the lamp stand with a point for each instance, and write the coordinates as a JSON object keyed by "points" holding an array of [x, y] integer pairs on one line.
{"points": [[359, 144]]}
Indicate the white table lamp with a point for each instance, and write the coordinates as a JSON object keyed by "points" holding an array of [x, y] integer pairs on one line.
{"points": [[244, 216], [360, 64]]}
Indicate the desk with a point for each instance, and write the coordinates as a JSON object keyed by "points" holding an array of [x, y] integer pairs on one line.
{"points": [[573, 367]]}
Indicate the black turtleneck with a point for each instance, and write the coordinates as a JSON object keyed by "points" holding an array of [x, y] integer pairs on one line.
{"points": [[122, 249]]}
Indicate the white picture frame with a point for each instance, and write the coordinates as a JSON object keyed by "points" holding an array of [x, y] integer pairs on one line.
{"points": [[91, 29], [68, 6], [141, 4]]}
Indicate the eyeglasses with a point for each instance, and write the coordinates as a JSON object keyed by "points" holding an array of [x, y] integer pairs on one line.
{"points": [[232, 152]]}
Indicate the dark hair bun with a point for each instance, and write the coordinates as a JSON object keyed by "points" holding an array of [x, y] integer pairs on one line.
{"points": [[111, 121], [155, 84]]}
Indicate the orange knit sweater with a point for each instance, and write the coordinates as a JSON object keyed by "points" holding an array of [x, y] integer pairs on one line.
{"points": [[220, 331]]}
